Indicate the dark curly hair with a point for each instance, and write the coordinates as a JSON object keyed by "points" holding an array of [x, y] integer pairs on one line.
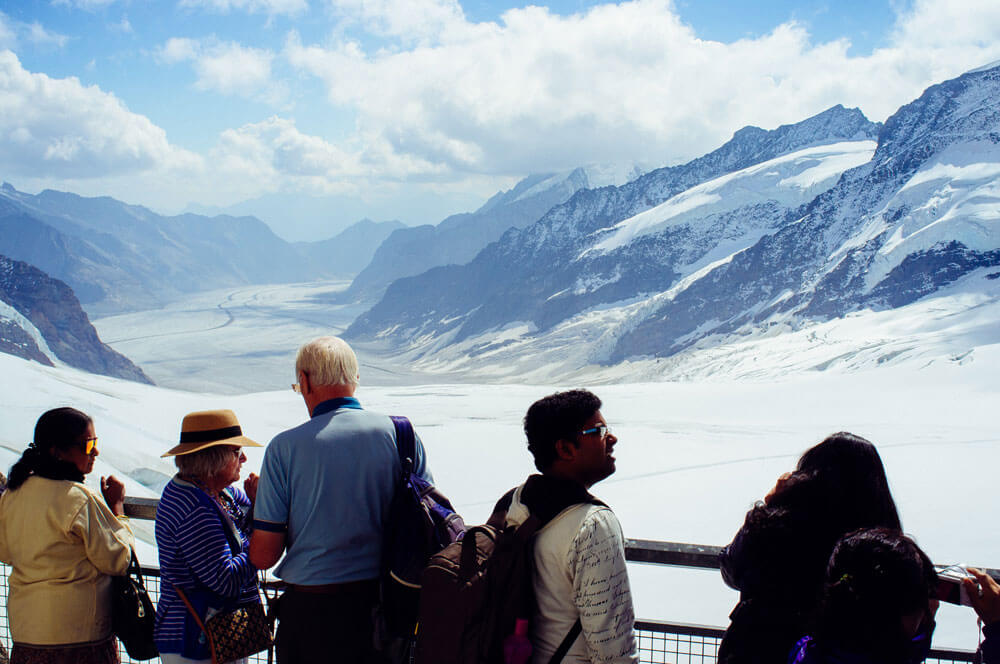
{"points": [[559, 416], [874, 579]]}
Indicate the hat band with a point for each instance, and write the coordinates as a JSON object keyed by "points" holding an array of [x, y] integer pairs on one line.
{"points": [[210, 435]]}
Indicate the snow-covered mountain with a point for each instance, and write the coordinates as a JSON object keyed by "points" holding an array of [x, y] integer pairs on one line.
{"points": [[620, 243], [921, 214], [41, 320], [774, 231], [457, 239]]}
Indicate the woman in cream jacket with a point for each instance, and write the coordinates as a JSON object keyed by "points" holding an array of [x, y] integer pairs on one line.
{"points": [[64, 542]]}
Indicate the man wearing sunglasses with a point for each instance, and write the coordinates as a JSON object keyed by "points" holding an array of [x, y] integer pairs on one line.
{"points": [[583, 601]]}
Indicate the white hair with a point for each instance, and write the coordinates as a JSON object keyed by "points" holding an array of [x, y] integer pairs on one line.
{"points": [[328, 361]]}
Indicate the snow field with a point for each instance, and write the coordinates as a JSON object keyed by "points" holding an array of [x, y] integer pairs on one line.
{"points": [[692, 457]]}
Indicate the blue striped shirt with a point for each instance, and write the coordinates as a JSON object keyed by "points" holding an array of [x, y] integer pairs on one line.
{"points": [[196, 555]]}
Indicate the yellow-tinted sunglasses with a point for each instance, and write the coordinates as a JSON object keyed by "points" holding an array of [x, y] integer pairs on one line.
{"points": [[90, 445]]}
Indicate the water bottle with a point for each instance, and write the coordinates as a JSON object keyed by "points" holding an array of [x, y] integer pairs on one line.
{"points": [[517, 647]]}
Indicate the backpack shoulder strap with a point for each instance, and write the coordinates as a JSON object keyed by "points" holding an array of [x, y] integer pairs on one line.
{"points": [[567, 642], [406, 444], [499, 514]]}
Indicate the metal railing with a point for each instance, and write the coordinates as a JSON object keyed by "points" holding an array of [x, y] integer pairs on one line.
{"points": [[659, 642]]}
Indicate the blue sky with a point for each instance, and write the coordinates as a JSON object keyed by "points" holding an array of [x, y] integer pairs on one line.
{"points": [[414, 109]]}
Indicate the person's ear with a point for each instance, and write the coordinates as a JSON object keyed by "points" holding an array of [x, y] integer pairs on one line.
{"points": [[565, 449], [304, 385]]}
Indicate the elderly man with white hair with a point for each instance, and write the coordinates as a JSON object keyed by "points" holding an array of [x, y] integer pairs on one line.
{"points": [[324, 494]]}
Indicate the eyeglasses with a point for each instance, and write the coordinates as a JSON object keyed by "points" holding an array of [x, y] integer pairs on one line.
{"points": [[601, 430], [90, 445], [296, 388]]}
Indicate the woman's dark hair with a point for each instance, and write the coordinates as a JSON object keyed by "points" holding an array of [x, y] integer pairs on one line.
{"points": [[559, 416], [838, 486], [842, 480], [874, 579], [56, 429]]}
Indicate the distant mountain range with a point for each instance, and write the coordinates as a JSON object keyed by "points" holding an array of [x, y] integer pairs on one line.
{"points": [[457, 239], [348, 252], [41, 320], [120, 257], [803, 223], [774, 229]]}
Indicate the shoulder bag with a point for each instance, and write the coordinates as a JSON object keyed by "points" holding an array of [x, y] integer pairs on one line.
{"points": [[234, 634], [132, 614]]}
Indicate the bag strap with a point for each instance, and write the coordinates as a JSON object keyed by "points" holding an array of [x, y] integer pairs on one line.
{"points": [[406, 444], [567, 642], [134, 569], [525, 533], [201, 624]]}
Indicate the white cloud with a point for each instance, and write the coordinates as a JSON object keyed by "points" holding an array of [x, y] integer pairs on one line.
{"points": [[274, 153], [13, 32], [88, 5], [270, 7], [8, 37], [620, 82], [178, 49], [234, 69], [123, 26], [36, 34], [412, 20], [450, 103], [61, 128], [226, 67]]}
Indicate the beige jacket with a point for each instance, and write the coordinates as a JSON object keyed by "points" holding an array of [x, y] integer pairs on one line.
{"points": [[580, 573], [63, 542]]}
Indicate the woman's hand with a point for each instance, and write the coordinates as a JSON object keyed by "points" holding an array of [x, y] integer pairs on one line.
{"points": [[985, 598], [777, 487], [114, 494], [250, 486]]}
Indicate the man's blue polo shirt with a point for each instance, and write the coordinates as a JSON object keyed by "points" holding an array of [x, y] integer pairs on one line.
{"points": [[328, 484]]}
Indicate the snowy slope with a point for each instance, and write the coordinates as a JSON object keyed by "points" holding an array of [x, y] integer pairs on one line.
{"points": [[547, 272], [809, 228], [916, 218], [692, 457], [790, 181]]}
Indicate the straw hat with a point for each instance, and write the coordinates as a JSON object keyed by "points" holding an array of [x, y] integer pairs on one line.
{"points": [[208, 428]]}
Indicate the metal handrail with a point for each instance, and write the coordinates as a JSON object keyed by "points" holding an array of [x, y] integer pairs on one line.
{"points": [[655, 552]]}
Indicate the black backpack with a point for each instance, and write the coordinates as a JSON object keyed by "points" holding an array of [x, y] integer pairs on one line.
{"points": [[421, 523], [475, 590]]}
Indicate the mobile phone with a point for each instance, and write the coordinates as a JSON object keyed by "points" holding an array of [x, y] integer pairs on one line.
{"points": [[950, 587]]}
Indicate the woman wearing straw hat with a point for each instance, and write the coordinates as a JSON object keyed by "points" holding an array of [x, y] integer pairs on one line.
{"points": [[64, 542], [202, 530]]}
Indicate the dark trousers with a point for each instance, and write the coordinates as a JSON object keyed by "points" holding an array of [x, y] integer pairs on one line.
{"points": [[334, 625]]}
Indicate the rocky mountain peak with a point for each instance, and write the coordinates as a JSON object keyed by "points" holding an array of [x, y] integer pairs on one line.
{"points": [[50, 306]]}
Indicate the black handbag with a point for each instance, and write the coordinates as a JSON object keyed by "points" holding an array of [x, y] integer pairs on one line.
{"points": [[132, 613]]}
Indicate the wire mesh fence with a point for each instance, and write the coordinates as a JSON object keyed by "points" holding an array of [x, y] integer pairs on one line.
{"points": [[659, 642]]}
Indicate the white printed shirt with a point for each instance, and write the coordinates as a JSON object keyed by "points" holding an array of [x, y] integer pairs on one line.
{"points": [[580, 573]]}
